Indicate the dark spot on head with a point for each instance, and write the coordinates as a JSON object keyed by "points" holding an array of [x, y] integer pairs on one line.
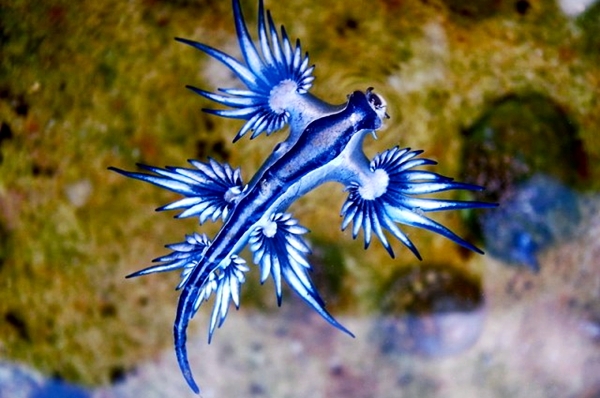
{"points": [[522, 6], [375, 100]]}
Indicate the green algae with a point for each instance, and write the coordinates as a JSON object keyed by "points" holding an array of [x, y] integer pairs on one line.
{"points": [[430, 310], [89, 85], [509, 144], [426, 289]]}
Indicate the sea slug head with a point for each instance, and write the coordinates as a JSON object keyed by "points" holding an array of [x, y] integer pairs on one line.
{"points": [[368, 110], [377, 103]]}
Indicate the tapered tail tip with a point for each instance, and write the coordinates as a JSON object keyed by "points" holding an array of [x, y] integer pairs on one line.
{"points": [[190, 380], [184, 365]]}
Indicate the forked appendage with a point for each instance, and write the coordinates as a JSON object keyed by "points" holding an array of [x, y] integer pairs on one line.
{"points": [[390, 199], [210, 189], [273, 76]]}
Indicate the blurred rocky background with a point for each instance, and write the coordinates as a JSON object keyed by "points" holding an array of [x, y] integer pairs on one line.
{"points": [[502, 93]]}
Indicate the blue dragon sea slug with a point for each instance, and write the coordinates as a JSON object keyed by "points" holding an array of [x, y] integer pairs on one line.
{"points": [[324, 144]]}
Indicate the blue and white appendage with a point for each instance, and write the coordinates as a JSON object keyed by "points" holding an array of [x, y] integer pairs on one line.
{"points": [[276, 76], [387, 196]]}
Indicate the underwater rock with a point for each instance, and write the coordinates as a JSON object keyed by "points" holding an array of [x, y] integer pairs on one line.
{"points": [[540, 212], [526, 152], [521, 136], [21, 382], [430, 310]]}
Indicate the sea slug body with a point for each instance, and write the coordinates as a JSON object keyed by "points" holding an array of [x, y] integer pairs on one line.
{"points": [[324, 144]]}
